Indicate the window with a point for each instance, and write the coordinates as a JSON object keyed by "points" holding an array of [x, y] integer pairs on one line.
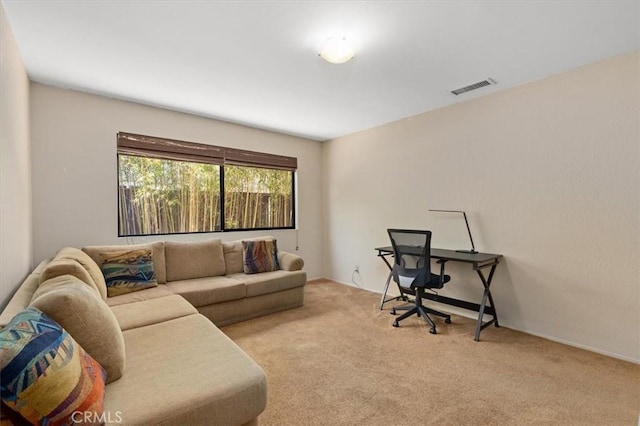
{"points": [[257, 198], [170, 187], [158, 196]]}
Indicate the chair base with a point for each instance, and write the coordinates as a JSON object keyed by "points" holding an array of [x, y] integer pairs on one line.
{"points": [[421, 311]]}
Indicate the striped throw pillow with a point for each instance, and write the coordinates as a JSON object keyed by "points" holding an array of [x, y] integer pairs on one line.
{"points": [[260, 256], [128, 270], [46, 376]]}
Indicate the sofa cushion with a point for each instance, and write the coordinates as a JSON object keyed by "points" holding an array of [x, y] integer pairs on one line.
{"points": [[127, 271], [195, 373], [152, 311], [59, 267], [233, 256], [96, 252], [194, 259], [88, 263], [271, 282], [137, 296], [260, 256], [206, 291], [82, 313], [46, 375]]}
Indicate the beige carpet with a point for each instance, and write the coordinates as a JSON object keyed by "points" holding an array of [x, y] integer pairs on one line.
{"points": [[338, 361]]}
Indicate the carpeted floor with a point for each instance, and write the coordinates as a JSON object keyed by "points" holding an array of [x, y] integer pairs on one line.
{"points": [[338, 361]]}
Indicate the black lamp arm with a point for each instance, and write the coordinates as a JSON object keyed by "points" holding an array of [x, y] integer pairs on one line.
{"points": [[466, 222], [473, 247]]}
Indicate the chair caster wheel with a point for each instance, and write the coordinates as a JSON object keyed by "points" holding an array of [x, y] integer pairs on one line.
{"points": [[447, 320], [393, 311], [432, 331], [395, 324]]}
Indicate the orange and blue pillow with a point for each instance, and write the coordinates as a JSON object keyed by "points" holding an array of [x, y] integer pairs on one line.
{"points": [[128, 270], [260, 256], [45, 375]]}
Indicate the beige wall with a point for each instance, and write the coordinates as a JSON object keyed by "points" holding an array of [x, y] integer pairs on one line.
{"points": [[15, 166], [75, 179], [548, 173]]}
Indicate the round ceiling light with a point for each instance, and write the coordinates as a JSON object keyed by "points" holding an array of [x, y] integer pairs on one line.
{"points": [[336, 50]]}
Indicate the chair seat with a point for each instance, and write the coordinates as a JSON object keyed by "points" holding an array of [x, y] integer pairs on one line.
{"points": [[435, 279]]}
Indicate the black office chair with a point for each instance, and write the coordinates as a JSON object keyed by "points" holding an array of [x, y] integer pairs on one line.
{"points": [[412, 272]]}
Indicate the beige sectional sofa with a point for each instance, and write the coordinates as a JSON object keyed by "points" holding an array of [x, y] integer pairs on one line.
{"points": [[167, 362]]}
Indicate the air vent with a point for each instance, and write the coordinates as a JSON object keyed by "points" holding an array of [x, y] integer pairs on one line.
{"points": [[474, 86]]}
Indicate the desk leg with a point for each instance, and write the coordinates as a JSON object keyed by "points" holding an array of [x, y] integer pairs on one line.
{"points": [[384, 294], [486, 282], [384, 258], [386, 287]]}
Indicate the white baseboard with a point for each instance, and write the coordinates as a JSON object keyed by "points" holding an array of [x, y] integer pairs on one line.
{"points": [[577, 345]]}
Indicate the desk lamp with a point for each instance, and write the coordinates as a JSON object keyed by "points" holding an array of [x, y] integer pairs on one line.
{"points": [[473, 248]]}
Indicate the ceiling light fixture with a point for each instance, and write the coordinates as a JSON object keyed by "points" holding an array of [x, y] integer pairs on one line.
{"points": [[336, 50]]}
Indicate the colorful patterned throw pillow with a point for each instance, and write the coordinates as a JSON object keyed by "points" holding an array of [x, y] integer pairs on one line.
{"points": [[46, 376], [260, 256], [128, 270]]}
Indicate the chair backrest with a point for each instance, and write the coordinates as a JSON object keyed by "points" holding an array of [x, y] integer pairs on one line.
{"points": [[412, 260]]}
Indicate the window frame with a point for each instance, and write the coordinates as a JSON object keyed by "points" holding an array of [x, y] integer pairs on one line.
{"points": [[175, 150]]}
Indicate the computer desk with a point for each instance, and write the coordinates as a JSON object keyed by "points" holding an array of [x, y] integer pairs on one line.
{"points": [[478, 261]]}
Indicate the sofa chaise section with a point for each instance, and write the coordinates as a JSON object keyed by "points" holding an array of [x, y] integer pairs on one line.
{"points": [[176, 376]]}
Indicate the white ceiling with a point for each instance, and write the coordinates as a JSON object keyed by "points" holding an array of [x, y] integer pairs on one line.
{"points": [[255, 62]]}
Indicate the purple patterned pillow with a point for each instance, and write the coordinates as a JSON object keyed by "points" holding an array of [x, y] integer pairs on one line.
{"points": [[260, 256]]}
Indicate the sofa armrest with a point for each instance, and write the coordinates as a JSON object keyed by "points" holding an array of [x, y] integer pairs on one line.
{"points": [[290, 261]]}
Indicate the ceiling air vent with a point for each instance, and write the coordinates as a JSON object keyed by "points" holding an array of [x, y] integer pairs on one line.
{"points": [[474, 86]]}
